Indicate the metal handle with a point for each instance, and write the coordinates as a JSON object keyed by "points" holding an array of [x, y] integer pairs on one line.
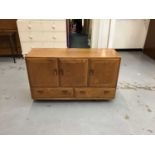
{"points": [[91, 72]]}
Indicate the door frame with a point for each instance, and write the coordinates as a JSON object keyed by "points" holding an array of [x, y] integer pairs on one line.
{"points": [[100, 33]]}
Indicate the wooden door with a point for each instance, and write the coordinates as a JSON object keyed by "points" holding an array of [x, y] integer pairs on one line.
{"points": [[73, 72], [43, 72], [86, 26], [149, 48], [103, 73]]}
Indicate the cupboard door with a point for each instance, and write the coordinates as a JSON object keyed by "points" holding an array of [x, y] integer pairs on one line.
{"points": [[73, 72], [43, 72], [103, 73]]}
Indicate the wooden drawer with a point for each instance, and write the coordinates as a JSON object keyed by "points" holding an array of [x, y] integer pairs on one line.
{"points": [[8, 24], [49, 93], [94, 93]]}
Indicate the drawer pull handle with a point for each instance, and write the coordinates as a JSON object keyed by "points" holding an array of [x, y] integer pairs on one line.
{"points": [[106, 92], [54, 38], [30, 37], [65, 91], [82, 92], [40, 91], [53, 27], [29, 27], [61, 72], [91, 72]]}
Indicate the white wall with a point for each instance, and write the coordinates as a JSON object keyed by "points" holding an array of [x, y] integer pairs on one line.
{"points": [[119, 33], [100, 33], [95, 33], [128, 33]]}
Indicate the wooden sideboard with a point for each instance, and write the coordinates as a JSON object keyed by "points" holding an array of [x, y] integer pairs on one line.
{"points": [[7, 26], [72, 74]]}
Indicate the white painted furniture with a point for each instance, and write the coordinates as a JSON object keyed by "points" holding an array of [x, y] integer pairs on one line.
{"points": [[42, 34]]}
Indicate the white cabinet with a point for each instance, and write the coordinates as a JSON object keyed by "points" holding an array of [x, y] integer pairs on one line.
{"points": [[127, 33], [42, 34]]}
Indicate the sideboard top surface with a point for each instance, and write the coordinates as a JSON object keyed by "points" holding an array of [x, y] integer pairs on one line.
{"points": [[73, 53]]}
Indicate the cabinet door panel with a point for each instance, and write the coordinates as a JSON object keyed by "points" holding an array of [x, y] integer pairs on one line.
{"points": [[43, 72], [103, 73], [73, 72]]}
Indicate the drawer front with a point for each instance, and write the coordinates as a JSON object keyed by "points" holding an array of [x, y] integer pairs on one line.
{"points": [[59, 25], [49, 93], [25, 36], [29, 25], [41, 25], [54, 25], [43, 36], [54, 36], [58, 36], [26, 47], [54, 45], [35, 25], [59, 45], [47, 45], [95, 93], [31, 36], [23, 25]]}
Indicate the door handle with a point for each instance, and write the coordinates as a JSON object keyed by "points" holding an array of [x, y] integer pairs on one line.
{"points": [[55, 72], [91, 72], [61, 72], [64, 91]]}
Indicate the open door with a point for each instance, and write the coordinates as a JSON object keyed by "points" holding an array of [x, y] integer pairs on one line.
{"points": [[78, 33]]}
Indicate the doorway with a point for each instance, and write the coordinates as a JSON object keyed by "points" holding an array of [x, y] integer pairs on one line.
{"points": [[79, 33]]}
